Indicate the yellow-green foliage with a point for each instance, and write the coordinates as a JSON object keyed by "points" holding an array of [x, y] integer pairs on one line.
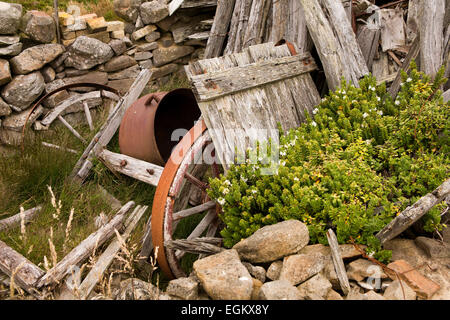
{"points": [[357, 164]]}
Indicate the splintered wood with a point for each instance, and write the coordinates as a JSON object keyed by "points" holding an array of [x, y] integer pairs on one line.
{"points": [[253, 90]]}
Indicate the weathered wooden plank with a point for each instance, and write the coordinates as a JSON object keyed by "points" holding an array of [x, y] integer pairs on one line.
{"points": [[279, 23], [234, 23], [368, 40], [213, 85], [431, 31], [446, 96], [256, 23], [340, 55], [393, 33], [135, 168], [412, 54], [219, 29], [244, 16], [338, 263], [191, 211], [25, 273], [204, 245], [103, 137], [59, 109], [147, 243], [297, 30], [105, 259], [88, 116], [204, 35], [412, 21], [413, 213], [85, 248], [15, 220], [50, 145]]}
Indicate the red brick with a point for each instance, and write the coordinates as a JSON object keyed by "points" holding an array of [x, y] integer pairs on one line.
{"points": [[424, 287]]}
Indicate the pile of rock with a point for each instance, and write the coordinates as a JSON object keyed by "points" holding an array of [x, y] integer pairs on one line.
{"points": [[276, 263], [92, 50]]}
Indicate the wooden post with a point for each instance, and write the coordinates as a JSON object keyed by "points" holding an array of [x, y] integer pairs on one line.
{"points": [[338, 263], [56, 14]]}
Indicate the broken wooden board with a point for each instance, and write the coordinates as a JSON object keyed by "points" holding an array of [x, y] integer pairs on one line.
{"points": [[335, 41], [103, 137], [174, 5], [368, 40], [25, 274], [257, 108], [106, 258], [135, 168], [85, 248], [393, 33], [413, 213], [338, 263]]}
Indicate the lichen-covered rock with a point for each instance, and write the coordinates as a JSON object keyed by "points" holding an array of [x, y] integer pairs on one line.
{"points": [[119, 63], [184, 288], [315, 288], [87, 52], [256, 272], [127, 9], [153, 11], [399, 291], [130, 72], [278, 290], [274, 270], [136, 289], [23, 90], [164, 56], [39, 26], [360, 269], [9, 40], [10, 14], [433, 248], [5, 109], [11, 50], [273, 242], [35, 57], [5, 72], [118, 46], [142, 32], [16, 121], [224, 277], [300, 267]]}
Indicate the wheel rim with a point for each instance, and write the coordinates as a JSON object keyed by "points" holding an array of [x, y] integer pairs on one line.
{"points": [[172, 195]]}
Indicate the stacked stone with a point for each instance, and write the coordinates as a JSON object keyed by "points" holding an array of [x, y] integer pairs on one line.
{"points": [[92, 50], [165, 43]]}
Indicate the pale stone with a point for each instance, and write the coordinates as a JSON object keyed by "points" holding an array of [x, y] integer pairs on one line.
{"points": [[10, 14], [127, 9], [39, 26], [223, 277], [360, 269], [257, 272], [136, 289], [23, 90], [143, 55], [163, 71], [153, 36], [48, 73], [119, 63], [11, 50], [153, 11], [86, 53], [272, 242], [9, 40], [5, 109], [114, 26], [131, 72], [315, 288], [16, 121], [96, 24], [184, 288], [300, 267], [396, 290], [5, 72], [278, 290], [138, 34], [35, 57], [274, 270], [120, 34]]}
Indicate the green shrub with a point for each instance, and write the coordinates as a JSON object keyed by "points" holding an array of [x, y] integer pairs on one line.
{"points": [[354, 167]]}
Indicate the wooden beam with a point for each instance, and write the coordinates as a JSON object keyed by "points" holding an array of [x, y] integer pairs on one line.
{"points": [[85, 248], [135, 168], [191, 211], [413, 213], [103, 137], [71, 129], [219, 28], [16, 219], [25, 273], [213, 85], [105, 259]]}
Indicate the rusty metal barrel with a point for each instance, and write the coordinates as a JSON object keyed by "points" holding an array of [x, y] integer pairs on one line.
{"points": [[147, 128]]}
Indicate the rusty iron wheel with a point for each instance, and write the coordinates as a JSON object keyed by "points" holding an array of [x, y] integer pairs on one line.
{"points": [[181, 179]]}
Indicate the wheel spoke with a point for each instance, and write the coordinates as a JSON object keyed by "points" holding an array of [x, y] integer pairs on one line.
{"points": [[204, 223], [194, 210], [196, 182]]}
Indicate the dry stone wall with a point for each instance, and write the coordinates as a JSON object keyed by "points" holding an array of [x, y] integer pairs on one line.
{"points": [[91, 49]]}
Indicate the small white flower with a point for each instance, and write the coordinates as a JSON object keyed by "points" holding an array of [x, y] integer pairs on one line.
{"points": [[408, 80], [378, 99], [372, 88], [226, 191], [344, 97], [244, 179], [314, 124], [368, 141], [315, 111], [221, 201], [254, 191], [282, 153], [397, 102], [344, 92], [365, 115], [380, 113], [227, 182], [296, 179], [282, 163]]}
